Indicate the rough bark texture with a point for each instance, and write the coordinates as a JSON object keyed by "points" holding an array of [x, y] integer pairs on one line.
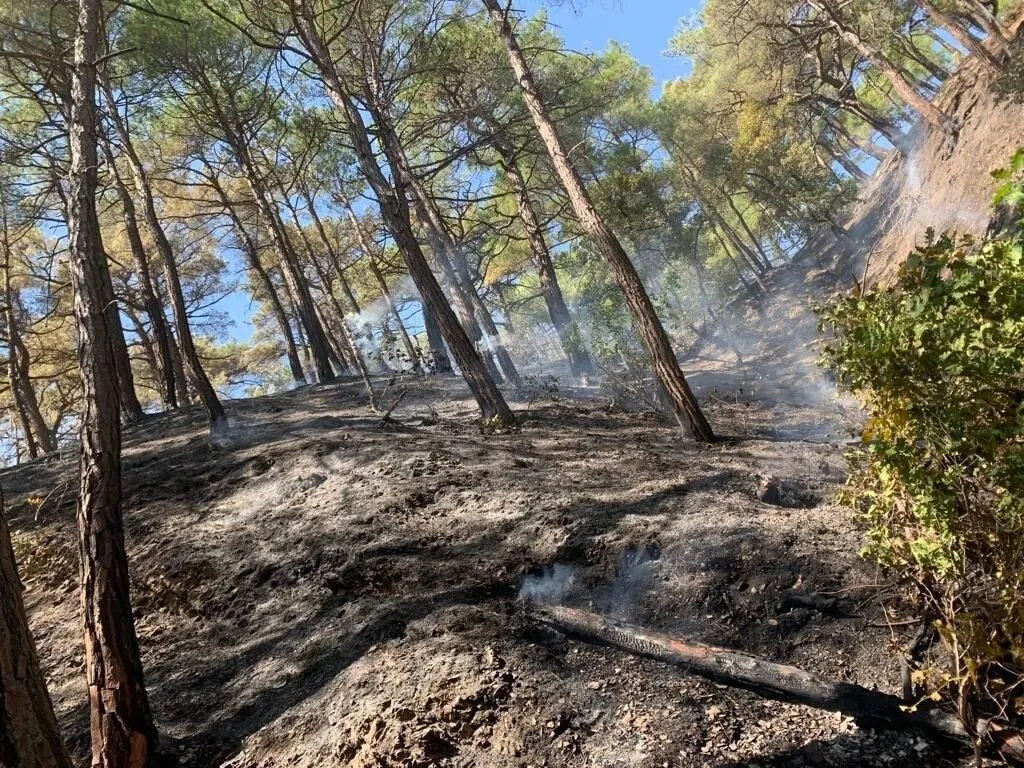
{"points": [[663, 358], [394, 208], [29, 736], [120, 723]]}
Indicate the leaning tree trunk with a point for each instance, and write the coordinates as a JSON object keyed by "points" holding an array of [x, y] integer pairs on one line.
{"points": [[879, 61], [197, 374], [291, 270], [958, 32], [151, 304], [568, 333], [663, 357], [449, 254], [389, 301], [327, 289], [986, 21], [435, 341], [121, 726], [253, 257], [131, 408], [29, 736], [382, 284], [394, 208]]}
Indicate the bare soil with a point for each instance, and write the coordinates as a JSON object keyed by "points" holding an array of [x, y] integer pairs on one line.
{"points": [[333, 591], [330, 590]]}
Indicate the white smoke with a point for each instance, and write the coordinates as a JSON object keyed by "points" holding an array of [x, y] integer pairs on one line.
{"points": [[551, 586]]}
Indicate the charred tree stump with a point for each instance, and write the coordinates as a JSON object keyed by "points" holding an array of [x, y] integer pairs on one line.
{"points": [[777, 681]]}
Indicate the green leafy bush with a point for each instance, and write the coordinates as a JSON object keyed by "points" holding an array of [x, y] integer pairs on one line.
{"points": [[937, 358]]}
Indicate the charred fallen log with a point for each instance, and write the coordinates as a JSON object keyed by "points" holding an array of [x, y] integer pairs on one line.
{"points": [[776, 681]]}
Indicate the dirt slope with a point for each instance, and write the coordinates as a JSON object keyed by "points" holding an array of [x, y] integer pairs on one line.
{"points": [[944, 182], [326, 592]]}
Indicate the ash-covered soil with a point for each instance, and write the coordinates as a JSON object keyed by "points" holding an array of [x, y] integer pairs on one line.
{"points": [[333, 591]]}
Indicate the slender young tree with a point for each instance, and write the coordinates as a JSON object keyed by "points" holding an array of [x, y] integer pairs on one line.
{"points": [[197, 373], [121, 726], [663, 357]]}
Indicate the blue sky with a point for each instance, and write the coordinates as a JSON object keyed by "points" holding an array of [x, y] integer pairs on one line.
{"points": [[643, 26]]}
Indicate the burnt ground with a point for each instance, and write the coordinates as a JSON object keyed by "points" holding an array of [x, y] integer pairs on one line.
{"points": [[330, 592]]}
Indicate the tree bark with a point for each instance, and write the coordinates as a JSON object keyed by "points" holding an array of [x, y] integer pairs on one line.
{"points": [[663, 357], [29, 736], [986, 21], [154, 309], [197, 374], [382, 284], [121, 726], [435, 340], [394, 208], [316, 337], [450, 255], [131, 408], [328, 291]]}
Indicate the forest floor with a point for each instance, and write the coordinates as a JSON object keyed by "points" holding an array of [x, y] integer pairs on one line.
{"points": [[332, 591]]}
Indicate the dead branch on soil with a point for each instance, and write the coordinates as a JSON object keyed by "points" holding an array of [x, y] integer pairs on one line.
{"points": [[778, 681]]}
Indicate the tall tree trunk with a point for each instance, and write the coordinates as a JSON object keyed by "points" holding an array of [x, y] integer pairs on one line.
{"points": [[449, 254], [131, 408], [316, 337], [29, 736], [121, 726], [327, 289], [37, 434], [985, 20], [197, 374], [960, 33], [389, 301], [435, 340], [146, 343], [568, 333], [663, 357], [839, 156], [385, 292], [759, 251], [253, 257], [154, 309], [394, 208], [879, 61]]}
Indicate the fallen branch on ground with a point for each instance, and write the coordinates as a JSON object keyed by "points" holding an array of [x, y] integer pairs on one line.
{"points": [[777, 681]]}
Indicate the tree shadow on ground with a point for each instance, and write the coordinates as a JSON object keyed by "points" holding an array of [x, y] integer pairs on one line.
{"points": [[859, 749]]}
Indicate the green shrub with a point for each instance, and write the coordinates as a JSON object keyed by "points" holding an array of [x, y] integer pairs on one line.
{"points": [[937, 359]]}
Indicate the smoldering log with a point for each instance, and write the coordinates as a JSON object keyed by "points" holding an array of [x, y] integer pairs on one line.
{"points": [[769, 679]]}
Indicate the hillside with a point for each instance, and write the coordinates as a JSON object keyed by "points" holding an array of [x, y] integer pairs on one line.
{"points": [[943, 182], [326, 591]]}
